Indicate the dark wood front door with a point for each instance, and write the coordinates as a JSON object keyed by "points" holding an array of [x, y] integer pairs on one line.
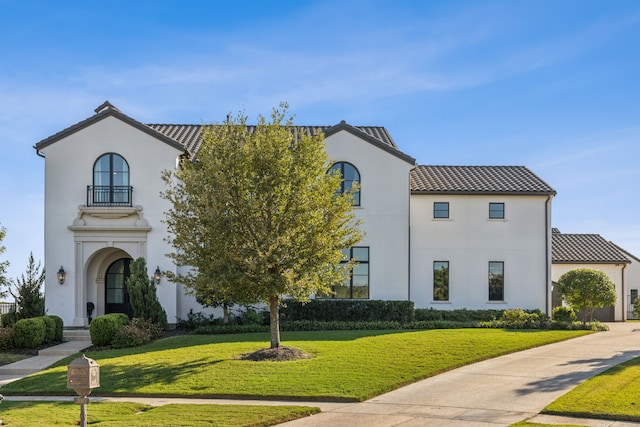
{"points": [[116, 295]]}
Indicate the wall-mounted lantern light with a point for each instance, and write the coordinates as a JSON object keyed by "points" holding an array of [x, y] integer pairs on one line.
{"points": [[157, 275], [62, 275]]}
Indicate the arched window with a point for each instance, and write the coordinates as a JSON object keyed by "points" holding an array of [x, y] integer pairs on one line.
{"points": [[111, 181], [350, 178]]}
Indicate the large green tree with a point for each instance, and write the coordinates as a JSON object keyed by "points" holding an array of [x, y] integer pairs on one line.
{"points": [[257, 215], [586, 289]]}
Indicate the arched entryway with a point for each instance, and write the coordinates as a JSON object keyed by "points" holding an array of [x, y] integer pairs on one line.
{"points": [[116, 295]]}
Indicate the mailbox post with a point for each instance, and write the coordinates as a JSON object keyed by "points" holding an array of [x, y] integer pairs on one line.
{"points": [[83, 375]]}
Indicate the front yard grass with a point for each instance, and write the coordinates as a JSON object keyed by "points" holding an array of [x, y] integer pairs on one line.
{"points": [[612, 395], [347, 365], [45, 414]]}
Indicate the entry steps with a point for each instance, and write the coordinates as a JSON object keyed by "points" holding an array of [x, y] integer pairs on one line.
{"points": [[76, 334]]}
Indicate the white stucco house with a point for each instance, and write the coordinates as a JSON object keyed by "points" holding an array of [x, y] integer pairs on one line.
{"points": [[480, 237], [571, 251], [443, 237]]}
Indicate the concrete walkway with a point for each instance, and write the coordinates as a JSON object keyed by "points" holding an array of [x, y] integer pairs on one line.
{"points": [[493, 393], [496, 392], [44, 359]]}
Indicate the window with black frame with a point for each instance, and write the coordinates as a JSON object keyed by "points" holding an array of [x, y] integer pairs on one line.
{"points": [[350, 180], [356, 285], [441, 280], [111, 181], [496, 210], [441, 210], [496, 281]]}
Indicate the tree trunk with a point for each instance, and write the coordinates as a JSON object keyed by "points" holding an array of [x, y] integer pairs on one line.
{"points": [[274, 321], [225, 313]]}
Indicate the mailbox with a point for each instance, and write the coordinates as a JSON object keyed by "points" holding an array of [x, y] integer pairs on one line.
{"points": [[83, 375]]}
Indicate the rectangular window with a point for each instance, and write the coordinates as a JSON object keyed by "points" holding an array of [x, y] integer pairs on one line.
{"points": [[441, 209], [496, 210], [441, 280], [356, 286], [496, 281]]}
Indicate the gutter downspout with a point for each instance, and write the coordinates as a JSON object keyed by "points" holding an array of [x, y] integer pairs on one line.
{"points": [[409, 245], [547, 250], [624, 295]]}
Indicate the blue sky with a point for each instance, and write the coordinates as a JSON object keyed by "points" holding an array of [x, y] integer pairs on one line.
{"points": [[552, 85]]}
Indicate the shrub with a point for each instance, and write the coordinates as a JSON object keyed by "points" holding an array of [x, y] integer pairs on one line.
{"points": [[563, 314], [9, 319], [458, 315], [29, 333], [59, 330], [521, 319], [49, 329], [6, 339], [136, 333], [195, 320], [103, 328], [251, 317]]}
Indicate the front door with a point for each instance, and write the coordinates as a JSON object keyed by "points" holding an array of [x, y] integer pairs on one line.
{"points": [[116, 295]]}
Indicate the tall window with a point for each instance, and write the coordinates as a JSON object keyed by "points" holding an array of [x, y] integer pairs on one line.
{"points": [[350, 180], [496, 281], [356, 286], [496, 210], [441, 280], [111, 180], [441, 209]]}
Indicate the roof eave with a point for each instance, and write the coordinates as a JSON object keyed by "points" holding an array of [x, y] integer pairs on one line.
{"points": [[108, 112], [485, 193], [344, 126], [590, 262]]}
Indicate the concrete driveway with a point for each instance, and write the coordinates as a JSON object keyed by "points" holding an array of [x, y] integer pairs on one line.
{"points": [[496, 392]]}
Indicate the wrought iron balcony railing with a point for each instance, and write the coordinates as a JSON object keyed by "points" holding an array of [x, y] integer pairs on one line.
{"points": [[109, 195]]}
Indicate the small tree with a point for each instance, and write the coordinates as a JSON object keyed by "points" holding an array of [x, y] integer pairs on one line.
{"points": [[3, 266], [27, 291], [258, 216], [143, 296], [585, 290]]}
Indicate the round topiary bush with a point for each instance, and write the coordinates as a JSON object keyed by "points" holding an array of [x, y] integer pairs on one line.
{"points": [[59, 327], [49, 329], [29, 333], [103, 328]]}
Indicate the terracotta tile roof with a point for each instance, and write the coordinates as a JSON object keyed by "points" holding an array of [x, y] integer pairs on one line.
{"points": [[477, 179], [584, 248]]}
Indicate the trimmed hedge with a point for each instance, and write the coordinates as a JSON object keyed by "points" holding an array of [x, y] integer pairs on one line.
{"points": [[59, 328], [103, 329], [49, 329], [330, 310], [458, 315], [29, 333]]}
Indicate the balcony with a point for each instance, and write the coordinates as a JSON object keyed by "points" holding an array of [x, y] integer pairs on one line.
{"points": [[109, 195]]}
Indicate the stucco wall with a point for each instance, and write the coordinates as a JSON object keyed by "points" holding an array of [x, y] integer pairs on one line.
{"points": [[469, 240], [68, 170], [384, 211]]}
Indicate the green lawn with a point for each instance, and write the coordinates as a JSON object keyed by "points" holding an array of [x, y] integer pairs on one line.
{"points": [[6, 358], [612, 395], [347, 365], [45, 414]]}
